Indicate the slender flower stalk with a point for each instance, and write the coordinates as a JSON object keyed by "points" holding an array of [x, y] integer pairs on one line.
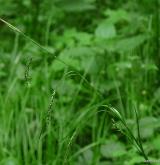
{"points": [[128, 132]]}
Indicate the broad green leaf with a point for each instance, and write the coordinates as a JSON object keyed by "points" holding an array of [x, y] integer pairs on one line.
{"points": [[80, 52], [116, 15], [72, 37], [147, 126], [74, 57], [83, 38], [112, 149], [123, 65], [105, 30], [149, 66], [128, 44], [68, 61]]}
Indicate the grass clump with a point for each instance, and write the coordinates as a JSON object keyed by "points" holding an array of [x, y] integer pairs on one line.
{"points": [[62, 65]]}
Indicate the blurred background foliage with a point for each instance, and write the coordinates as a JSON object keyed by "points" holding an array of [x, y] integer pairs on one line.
{"points": [[111, 49]]}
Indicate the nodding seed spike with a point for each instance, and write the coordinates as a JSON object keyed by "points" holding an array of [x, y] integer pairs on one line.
{"points": [[115, 112]]}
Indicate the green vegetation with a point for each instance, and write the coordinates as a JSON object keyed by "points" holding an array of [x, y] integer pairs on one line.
{"points": [[79, 82]]}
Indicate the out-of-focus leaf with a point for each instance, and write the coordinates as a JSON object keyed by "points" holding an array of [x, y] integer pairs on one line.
{"points": [[75, 6], [83, 38], [73, 57], [147, 126], [2, 70], [135, 159], [105, 30], [80, 52], [112, 149], [123, 65], [68, 61], [157, 95], [149, 66], [105, 163], [109, 85], [131, 43], [117, 15], [72, 37], [9, 161], [156, 143], [6, 8], [86, 158]]}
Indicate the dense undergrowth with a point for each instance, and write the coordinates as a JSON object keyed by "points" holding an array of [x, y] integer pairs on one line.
{"points": [[70, 61]]}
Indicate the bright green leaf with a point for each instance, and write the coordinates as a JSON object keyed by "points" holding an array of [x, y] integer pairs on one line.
{"points": [[105, 30], [112, 149]]}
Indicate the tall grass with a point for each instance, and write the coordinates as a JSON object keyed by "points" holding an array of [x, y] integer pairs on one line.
{"points": [[40, 126]]}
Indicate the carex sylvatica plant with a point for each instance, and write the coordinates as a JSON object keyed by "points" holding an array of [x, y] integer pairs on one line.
{"points": [[44, 49], [27, 71], [90, 60], [137, 141], [48, 119]]}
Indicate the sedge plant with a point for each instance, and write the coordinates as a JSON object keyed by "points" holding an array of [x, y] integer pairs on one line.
{"points": [[127, 131]]}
